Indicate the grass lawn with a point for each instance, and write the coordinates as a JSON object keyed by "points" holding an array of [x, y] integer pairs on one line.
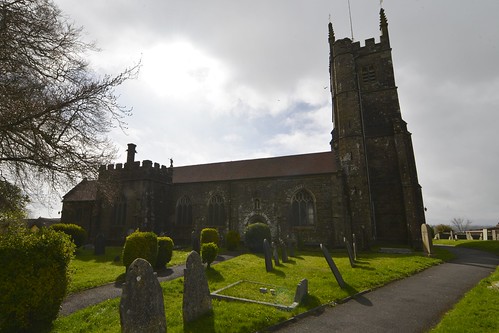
{"points": [[91, 271], [477, 311], [488, 245], [373, 270]]}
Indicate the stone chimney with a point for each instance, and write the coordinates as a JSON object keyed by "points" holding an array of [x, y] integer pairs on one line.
{"points": [[131, 154]]}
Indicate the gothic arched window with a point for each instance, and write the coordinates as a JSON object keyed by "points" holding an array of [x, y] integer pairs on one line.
{"points": [[183, 211], [303, 210], [216, 211]]}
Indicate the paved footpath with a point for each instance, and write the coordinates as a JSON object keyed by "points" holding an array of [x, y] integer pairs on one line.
{"points": [[414, 304], [81, 300]]}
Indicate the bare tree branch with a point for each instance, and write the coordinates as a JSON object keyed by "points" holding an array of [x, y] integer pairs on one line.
{"points": [[55, 113]]}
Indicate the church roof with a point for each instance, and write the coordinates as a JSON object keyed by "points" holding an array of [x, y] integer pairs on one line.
{"points": [[86, 190], [294, 165]]}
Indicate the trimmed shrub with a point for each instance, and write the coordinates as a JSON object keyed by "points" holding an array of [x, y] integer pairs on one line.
{"points": [[233, 240], [255, 234], [140, 245], [209, 235], [77, 233], [209, 252], [35, 276], [165, 251]]}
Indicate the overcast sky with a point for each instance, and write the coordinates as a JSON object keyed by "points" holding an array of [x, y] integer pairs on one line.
{"points": [[231, 80]]}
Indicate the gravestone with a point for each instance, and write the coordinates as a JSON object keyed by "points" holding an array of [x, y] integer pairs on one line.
{"points": [[284, 253], [333, 267], [485, 234], [275, 254], [427, 242], [290, 243], [100, 244], [196, 297], [301, 291], [268, 256], [350, 253], [354, 246], [141, 305], [195, 241]]}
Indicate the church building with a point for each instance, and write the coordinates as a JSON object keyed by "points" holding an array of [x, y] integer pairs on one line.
{"points": [[366, 185]]}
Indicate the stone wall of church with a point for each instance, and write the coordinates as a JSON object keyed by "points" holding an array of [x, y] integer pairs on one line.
{"points": [[265, 200]]}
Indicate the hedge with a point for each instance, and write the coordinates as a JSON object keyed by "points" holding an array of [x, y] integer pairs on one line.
{"points": [[209, 252], [140, 245], [165, 251], [209, 235], [255, 234], [34, 278], [77, 233], [233, 239]]}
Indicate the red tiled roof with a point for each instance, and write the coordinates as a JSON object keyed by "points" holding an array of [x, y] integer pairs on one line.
{"points": [[294, 165], [86, 190]]}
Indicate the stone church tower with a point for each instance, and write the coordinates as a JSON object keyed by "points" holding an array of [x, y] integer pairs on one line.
{"points": [[371, 141]]}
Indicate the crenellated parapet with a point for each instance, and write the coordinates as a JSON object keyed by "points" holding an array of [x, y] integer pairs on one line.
{"points": [[137, 170]]}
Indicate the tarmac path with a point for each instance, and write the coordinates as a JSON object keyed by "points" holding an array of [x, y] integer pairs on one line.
{"points": [[414, 304]]}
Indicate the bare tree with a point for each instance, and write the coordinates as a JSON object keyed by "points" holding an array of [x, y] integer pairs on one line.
{"points": [[55, 113], [461, 224]]}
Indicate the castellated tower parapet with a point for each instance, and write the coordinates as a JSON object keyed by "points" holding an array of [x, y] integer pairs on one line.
{"points": [[135, 194]]}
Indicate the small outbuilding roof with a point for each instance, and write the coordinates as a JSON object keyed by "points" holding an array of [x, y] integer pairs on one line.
{"points": [[86, 190], [285, 166]]}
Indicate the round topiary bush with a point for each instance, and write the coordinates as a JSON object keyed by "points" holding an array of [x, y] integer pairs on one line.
{"points": [[233, 239], [209, 252], [255, 234], [209, 235], [140, 245], [35, 276], [165, 251], [77, 233]]}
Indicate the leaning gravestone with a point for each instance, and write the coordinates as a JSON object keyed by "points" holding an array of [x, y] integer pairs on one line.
{"points": [[301, 291], [268, 256], [350, 253], [333, 267], [141, 307], [427, 242], [196, 298]]}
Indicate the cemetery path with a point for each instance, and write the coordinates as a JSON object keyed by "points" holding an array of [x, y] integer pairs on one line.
{"points": [[85, 298], [415, 304]]}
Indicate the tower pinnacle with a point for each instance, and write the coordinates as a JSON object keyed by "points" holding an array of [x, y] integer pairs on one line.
{"points": [[383, 26]]}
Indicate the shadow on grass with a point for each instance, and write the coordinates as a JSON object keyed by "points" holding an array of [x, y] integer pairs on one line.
{"points": [[365, 265], [204, 324], [213, 275], [112, 255], [278, 272]]}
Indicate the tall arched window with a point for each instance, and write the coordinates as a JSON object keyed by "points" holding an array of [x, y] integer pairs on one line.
{"points": [[303, 210], [216, 211], [183, 211], [120, 211]]}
